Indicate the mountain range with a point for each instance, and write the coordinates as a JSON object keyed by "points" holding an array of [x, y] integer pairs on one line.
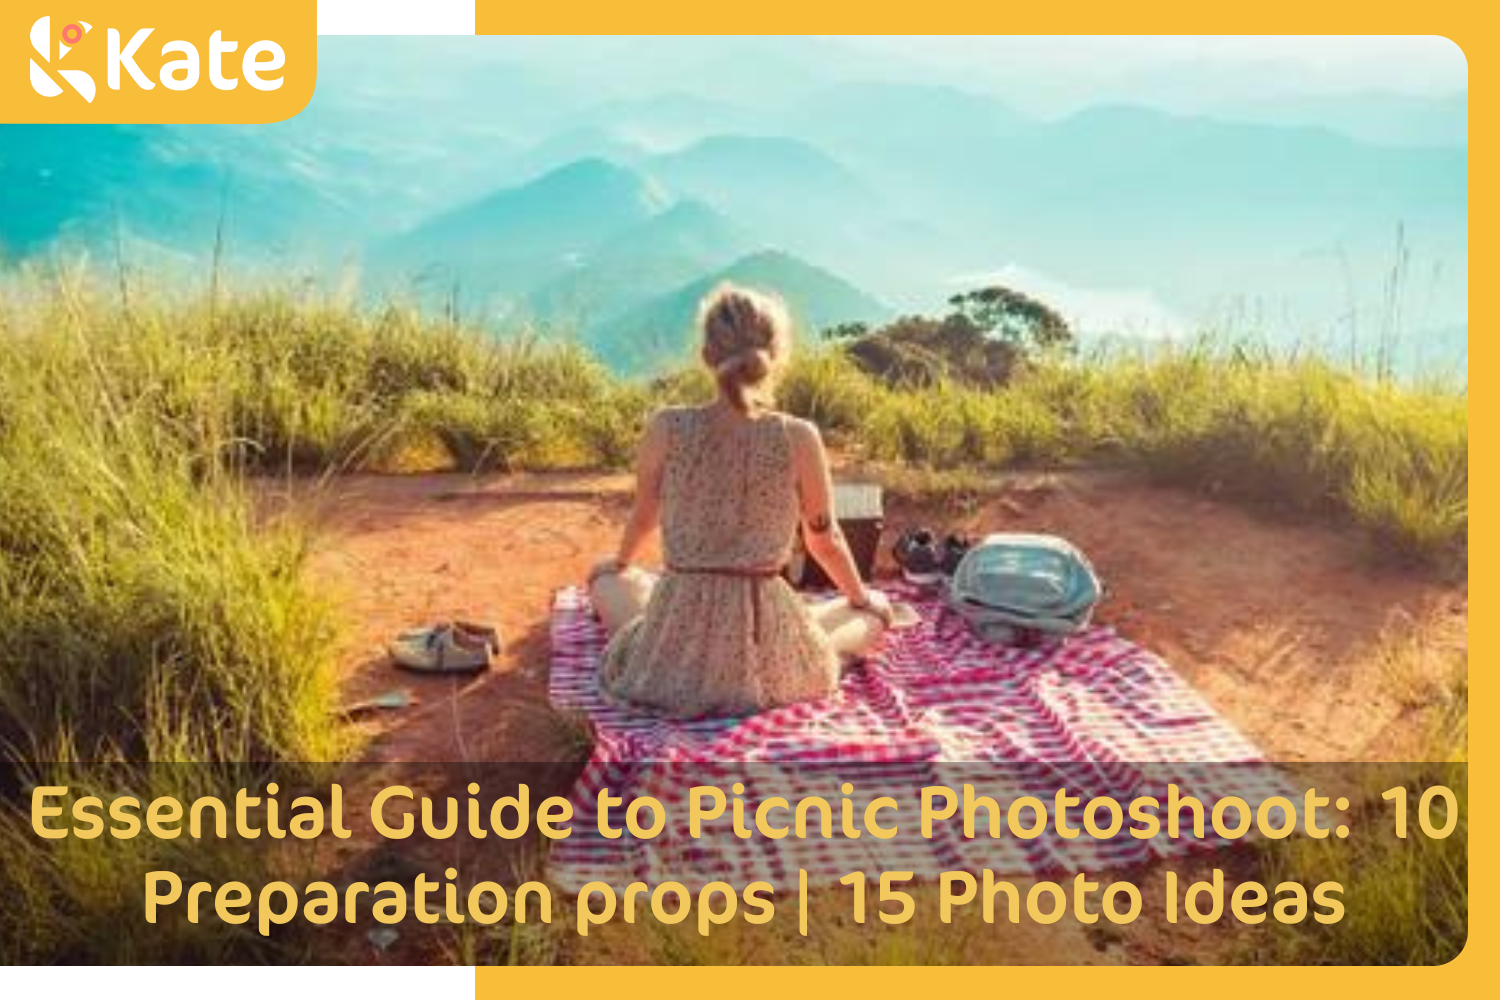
{"points": [[659, 331], [604, 216]]}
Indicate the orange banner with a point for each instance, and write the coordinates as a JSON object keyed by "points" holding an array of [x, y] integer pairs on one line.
{"points": [[161, 61]]}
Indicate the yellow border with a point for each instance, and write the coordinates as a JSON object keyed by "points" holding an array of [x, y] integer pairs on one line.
{"points": [[1458, 21], [1472, 973]]}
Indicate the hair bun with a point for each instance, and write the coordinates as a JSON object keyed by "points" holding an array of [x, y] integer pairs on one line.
{"points": [[745, 335], [756, 365], [746, 367]]}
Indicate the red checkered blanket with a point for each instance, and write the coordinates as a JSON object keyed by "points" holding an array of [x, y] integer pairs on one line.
{"points": [[1096, 714]]}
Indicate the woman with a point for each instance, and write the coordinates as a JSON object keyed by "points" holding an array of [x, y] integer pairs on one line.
{"points": [[720, 632]]}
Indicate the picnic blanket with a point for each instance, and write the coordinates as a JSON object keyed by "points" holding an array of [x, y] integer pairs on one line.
{"points": [[1096, 714]]}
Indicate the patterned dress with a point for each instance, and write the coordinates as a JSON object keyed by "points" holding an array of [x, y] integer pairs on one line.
{"points": [[721, 633]]}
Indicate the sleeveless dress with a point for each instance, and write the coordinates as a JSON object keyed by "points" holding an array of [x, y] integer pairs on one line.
{"points": [[722, 634]]}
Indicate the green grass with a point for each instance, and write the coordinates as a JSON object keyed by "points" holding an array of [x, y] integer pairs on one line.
{"points": [[145, 612], [1297, 434], [149, 612], [1406, 902], [273, 382], [133, 566]]}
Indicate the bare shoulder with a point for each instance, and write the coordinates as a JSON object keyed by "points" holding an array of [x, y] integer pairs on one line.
{"points": [[664, 414], [803, 432], [806, 439], [657, 435], [664, 419]]}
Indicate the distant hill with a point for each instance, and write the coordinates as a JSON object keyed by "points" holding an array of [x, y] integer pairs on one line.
{"points": [[794, 196], [1127, 196], [668, 250], [588, 142], [660, 332], [875, 119], [51, 176], [1369, 116], [790, 193], [88, 185], [1133, 195], [670, 120], [516, 186], [499, 247]]}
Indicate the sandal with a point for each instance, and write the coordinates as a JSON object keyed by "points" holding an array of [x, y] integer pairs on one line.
{"points": [[441, 650]]}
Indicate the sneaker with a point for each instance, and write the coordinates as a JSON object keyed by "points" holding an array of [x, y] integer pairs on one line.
{"points": [[955, 547], [919, 557], [443, 650], [467, 633]]}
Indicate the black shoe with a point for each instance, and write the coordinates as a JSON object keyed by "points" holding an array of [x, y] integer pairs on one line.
{"points": [[920, 558], [955, 547]]}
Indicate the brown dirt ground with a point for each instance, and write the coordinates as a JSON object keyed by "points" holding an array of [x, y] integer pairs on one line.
{"points": [[1279, 624]]}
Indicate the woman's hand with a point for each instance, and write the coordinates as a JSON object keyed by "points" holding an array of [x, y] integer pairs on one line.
{"points": [[612, 566], [876, 604]]}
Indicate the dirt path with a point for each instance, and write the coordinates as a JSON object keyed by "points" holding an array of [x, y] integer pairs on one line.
{"points": [[1279, 625]]}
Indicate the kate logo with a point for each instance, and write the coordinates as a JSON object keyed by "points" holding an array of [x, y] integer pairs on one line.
{"points": [[41, 40], [163, 61]]}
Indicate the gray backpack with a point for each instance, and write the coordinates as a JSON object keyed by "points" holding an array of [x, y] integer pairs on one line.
{"points": [[1014, 587]]}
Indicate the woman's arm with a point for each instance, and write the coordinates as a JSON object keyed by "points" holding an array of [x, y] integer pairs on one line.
{"points": [[820, 529], [645, 514]]}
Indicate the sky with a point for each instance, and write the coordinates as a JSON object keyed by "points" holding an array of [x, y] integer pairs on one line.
{"points": [[1059, 72], [1402, 63], [1047, 75]]}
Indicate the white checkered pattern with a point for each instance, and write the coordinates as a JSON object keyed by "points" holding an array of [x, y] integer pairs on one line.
{"points": [[935, 706]]}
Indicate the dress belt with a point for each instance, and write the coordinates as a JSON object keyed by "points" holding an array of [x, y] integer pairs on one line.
{"points": [[757, 574]]}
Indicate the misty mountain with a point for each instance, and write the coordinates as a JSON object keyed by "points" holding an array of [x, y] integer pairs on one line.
{"points": [[791, 195], [1130, 193], [668, 121], [587, 142], [490, 251], [1368, 116], [764, 177], [750, 71], [874, 120], [90, 186], [660, 332], [582, 183], [1132, 196], [668, 250]]}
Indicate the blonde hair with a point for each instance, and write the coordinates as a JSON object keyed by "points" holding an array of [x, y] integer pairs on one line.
{"points": [[747, 336]]}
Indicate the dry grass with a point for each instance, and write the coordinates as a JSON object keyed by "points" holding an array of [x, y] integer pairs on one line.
{"points": [[146, 615]]}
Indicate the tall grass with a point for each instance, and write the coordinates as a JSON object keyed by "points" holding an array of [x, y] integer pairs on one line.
{"points": [[144, 612], [148, 613], [1300, 434], [132, 565], [277, 381], [1406, 901]]}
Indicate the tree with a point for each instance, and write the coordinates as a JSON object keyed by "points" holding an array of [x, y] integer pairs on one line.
{"points": [[987, 336], [1015, 318], [917, 351], [844, 332]]}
